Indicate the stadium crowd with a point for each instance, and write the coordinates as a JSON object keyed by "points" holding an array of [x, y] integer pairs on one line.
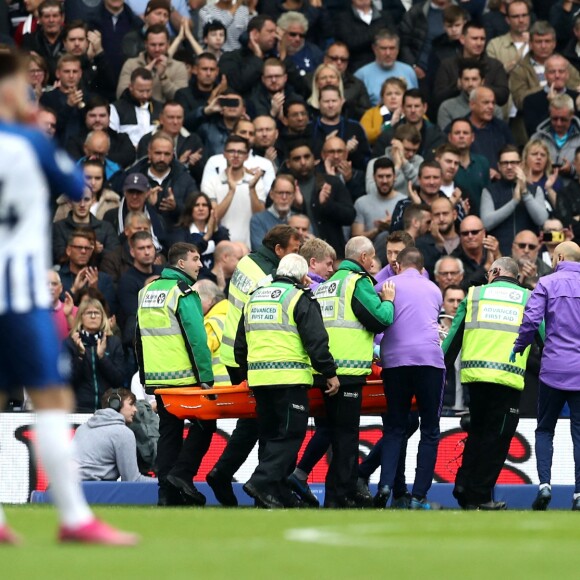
{"points": [[450, 127]]}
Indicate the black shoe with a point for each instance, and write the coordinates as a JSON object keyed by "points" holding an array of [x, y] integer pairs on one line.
{"points": [[487, 506], [301, 488], [340, 503], [362, 495], [382, 497], [264, 500], [292, 502], [459, 495], [169, 497], [222, 488], [542, 500], [190, 494]]}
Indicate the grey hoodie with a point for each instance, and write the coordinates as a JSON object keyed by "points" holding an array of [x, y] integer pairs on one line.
{"points": [[105, 449]]}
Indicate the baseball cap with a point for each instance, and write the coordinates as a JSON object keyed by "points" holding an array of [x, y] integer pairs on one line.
{"points": [[136, 182], [156, 5]]}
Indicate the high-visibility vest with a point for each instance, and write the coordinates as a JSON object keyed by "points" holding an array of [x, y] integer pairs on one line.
{"points": [[276, 355], [246, 278], [165, 356], [351, 344], [493, 316], [220, 373]]}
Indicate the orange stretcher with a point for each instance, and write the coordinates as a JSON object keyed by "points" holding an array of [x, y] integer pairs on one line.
{"points": [[237, 401]]}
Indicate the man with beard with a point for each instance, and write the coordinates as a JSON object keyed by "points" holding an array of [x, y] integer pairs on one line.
{"points": [[135, 112], [442, 239], [97, 118], [332, 123], [334, 156], [143, 253], [473, 173], [429, 189], [323, 198], [373, 212], [201, 87], [169, 181], [266, 137]]}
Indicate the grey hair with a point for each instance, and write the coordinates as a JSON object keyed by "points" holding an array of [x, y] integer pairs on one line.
{"points": [[356, 246], [562, 102], [476, 92], [210, 291], [456, 260], [506, 265], [293, 266], [292, 17]]}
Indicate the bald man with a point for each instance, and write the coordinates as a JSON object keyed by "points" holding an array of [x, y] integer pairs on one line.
{"points": [[556, 300]]}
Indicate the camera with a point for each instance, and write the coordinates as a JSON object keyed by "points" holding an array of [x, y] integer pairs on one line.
{"points": [[229, 102]]}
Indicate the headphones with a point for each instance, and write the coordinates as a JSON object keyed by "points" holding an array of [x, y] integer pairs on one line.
{"points": [[114, 401]]}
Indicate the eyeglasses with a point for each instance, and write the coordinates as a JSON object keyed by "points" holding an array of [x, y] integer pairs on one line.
{"points": [[523, 246], [82, 248], [92, 313], [449, 274], [296, 34], [133, 192], [510, 162], [235, 152], [338, 58], [466, 233], [36, 71]]}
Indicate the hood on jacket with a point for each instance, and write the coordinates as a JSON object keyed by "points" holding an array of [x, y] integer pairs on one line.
{"points": [[105, 418], [545, 128]]}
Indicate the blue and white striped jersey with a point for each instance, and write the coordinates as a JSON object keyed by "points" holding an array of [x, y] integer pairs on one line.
{"points": [[31, 170]]}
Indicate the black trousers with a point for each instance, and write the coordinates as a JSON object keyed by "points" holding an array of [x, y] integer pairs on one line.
{"points": [[176, 455], [282, 419], [343, 416], [242, 440], [494, 413]]}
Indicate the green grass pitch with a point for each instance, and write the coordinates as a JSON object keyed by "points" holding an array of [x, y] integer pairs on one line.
{"points": [[306, 544]]}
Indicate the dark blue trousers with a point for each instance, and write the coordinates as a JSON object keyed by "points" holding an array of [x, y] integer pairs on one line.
{"points": [[401, 383], [550, 403]]}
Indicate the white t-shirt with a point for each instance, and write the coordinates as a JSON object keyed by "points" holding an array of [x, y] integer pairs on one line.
{"points": [[237, 218]]}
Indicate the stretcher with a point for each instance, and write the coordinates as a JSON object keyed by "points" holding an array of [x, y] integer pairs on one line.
{"points": [[237, 401]]}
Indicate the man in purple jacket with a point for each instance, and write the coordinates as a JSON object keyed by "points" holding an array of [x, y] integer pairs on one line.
{"points": [[412, 362], [556, 299]]}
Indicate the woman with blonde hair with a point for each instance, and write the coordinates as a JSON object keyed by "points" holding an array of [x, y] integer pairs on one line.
{"points": [[96, 356], [540, 172], [324, 75]]}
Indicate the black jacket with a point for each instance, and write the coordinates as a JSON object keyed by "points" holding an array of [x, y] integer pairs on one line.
{"points": [[121, 152], [126, 104], [179, 179], [69, 120], [310, 328], [568, 206], [330, 218], [431, 138], [192, 143], [191, 99], [36, 42], [62, 230], [496, 79], [91, 376], [536, 109], [358, 35], [243, 69]]}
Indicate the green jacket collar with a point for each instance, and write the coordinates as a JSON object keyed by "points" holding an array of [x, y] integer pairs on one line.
{"points": [[172, 273], [354, 266]]}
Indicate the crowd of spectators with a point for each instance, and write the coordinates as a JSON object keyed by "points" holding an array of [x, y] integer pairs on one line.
{"points": [[453, 122]]}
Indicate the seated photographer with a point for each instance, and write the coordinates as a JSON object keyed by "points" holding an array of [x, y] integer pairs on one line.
{"points": [[105, 447]]}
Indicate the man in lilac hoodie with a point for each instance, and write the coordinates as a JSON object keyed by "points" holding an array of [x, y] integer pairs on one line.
{"points": [[412, 362], [556, 299]]}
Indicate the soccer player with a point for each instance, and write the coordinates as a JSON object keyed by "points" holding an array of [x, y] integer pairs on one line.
{"points": [[30, 168]]}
